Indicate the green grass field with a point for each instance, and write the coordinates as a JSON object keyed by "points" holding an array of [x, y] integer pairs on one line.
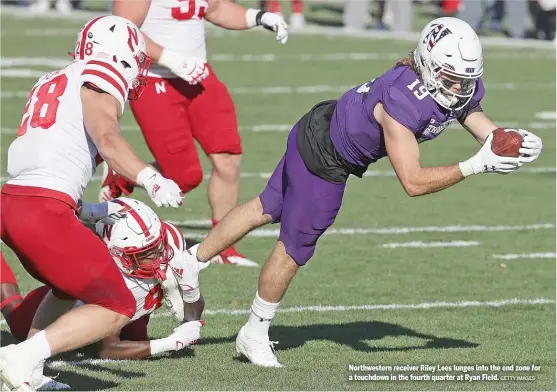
{"points": [[494, 215]]}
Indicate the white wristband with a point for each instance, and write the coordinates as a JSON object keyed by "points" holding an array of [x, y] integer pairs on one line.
{"points": [[191, 296], [170, 59], [466, 168], [251, 17], [144, 175], [162, 345]]}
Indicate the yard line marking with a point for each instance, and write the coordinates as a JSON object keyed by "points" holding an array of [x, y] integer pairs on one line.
{"points": [[369, 173], [282, 128], [204, 224], [546, 116], [275, 90], [430, 244], [267, 57], [514, 256]]}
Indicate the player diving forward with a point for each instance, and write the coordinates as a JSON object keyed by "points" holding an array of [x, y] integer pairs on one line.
{"points": [[144, 248], [389, 116]]}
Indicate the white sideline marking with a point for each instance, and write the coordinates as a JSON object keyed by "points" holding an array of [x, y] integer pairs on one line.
{"points": [[432, 244], [324, 308], [369, 173], [514, 256]]}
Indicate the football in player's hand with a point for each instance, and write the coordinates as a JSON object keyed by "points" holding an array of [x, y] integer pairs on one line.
{"points": [[506, 142]]}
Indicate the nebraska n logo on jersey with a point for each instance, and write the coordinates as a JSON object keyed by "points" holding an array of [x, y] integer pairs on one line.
{"points": [[435, 35]]}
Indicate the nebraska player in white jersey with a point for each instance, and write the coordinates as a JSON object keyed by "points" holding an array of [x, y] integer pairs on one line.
{"points": [[185, 101], [69, 123], [150, 255]]}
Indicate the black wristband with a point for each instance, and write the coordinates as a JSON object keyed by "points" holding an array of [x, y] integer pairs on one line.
{"points": [[258, 20]]}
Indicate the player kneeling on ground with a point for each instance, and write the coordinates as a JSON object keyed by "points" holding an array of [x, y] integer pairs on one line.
{"points": [[144, 248], [412, 102]]}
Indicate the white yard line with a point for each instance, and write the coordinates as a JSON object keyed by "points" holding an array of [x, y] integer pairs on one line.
{"points": [[282, 128], [430, 244], [350, 231], [546, 116], [275, 90], [515, 256], [369, 173], [6, 62]]}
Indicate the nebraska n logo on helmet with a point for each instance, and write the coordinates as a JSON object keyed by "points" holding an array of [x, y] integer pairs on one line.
{"points": [[115, 52], [137, 240]]}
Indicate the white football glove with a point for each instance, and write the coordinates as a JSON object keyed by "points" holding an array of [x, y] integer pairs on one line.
{"points": [[162, 191], [270, 21], [485, 161], [192, 69], [531, 146], [183, 336], [187, 334]]}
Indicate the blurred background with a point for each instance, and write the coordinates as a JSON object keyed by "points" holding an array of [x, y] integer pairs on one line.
{"points": [[515, 18]]}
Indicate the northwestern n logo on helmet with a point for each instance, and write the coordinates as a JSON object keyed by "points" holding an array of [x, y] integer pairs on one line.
{"points": [[435, 35]]}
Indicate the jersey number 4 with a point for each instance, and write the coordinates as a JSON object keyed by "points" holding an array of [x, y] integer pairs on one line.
{"points": [[43, 113], [192, 10]]}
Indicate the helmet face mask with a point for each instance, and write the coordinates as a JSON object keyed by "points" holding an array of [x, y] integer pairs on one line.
{"points": [[450, 61], [147, 262], [138, 84]]}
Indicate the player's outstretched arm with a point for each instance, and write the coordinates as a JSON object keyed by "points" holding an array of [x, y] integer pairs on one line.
{"points": [[100, 116], [404, 153], [479, 125], [114, 348], [183, 336], [233, 16]]}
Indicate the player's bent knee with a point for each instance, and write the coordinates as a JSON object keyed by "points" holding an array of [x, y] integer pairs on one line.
{"points": [[189, 179], [226, 165]]}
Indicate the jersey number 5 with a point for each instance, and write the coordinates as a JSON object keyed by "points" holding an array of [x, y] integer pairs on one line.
{"points": [[192, 10], [420, 91], [43, 113]]}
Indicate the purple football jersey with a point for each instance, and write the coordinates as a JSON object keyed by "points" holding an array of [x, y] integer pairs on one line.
{"points": [[357, 136]]}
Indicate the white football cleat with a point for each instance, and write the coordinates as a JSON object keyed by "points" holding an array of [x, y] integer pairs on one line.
{"points": [[232, 257], [14, 374], [50, 384], [173, 296], [260, 351]]}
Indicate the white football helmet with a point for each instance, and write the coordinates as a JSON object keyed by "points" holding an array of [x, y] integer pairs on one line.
{"points": [[449, 54], [137, 240], [118, 42]]}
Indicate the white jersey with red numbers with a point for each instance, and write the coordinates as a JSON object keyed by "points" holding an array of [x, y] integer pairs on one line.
{"points": [[53, 150], [148, 293], [179, 26]]}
